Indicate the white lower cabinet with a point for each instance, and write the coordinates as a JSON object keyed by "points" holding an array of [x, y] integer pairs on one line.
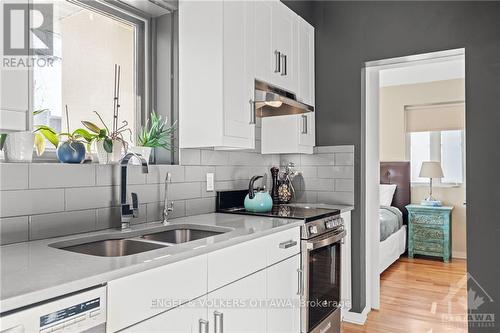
{"points": [[183, 319], [283, 314], [236, 307], [249, 287]]}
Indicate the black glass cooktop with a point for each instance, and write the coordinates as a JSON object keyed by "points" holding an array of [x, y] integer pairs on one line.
{"points": [[287, 211]]}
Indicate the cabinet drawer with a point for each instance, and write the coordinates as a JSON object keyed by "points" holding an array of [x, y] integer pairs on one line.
{"points": [[232, 263], [428, 219], [282, 245], [139, 296], [428, 234], [428, 247]]}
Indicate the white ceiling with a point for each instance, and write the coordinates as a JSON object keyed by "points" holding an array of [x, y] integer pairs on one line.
{"points": [[426, 72]]}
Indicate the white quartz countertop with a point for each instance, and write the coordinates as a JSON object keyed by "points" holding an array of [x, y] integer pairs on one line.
{"points": [[34, 271]]}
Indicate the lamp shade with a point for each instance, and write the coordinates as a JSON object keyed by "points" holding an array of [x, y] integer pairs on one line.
{"points": [[431, 169]]}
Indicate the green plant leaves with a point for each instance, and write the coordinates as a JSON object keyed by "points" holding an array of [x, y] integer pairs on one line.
{"points": [[3, 137], [159, 133], [91, 126], [49, 134], [108, 145], [80, 132]]}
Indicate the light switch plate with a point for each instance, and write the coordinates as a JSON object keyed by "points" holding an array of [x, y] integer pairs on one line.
{"points": [[210, 182]]}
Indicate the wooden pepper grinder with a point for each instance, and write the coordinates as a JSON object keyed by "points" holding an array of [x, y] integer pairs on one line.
{"points": [[274, 191]]}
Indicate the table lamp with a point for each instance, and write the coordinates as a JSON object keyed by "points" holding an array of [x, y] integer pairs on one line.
{"points": [[431, 169]]}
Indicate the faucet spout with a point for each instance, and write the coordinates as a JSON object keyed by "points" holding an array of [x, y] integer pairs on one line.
{"points": [[128, 212]]}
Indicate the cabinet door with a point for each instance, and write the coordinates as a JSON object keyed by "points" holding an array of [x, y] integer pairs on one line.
{"points": [[235, 307], [305, 82], [283, 285], [239, 71], [14, 99], [307, 134], [183, 319], [265, 61], [284, 32]]}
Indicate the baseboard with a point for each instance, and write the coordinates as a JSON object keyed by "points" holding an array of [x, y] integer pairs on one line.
{"points": [[356, 318], [459, 254]]}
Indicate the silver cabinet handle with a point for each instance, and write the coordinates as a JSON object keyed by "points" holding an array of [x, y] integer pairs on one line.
{"points": [[203, 326], [304, 124], [287, 244], [218, 322], [252, 112], [284, 66], [277, 61], [300, 274]]}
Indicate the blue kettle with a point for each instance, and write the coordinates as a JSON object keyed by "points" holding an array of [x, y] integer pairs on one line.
{"points": [[257, 201]]}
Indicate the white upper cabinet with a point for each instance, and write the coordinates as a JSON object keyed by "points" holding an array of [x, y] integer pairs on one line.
{"points": [[305, 41], [224, 46], [295, 133], [276, 44], [216, 74]]}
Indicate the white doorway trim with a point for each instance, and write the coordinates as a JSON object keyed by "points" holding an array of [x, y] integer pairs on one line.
{"points": [[370, 160]]}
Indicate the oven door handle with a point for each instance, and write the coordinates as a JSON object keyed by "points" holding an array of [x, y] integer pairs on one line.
{"points": [[326, 240]]}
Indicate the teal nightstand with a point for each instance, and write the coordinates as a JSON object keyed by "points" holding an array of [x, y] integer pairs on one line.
{"points": [[429, 231]]}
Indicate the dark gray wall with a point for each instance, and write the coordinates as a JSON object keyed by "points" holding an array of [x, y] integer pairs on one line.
{"points": [[351, 33]]}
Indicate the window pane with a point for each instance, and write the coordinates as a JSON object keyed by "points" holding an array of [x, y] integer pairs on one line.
{"points": [[87, 44], [419, 152], [451, 156]]}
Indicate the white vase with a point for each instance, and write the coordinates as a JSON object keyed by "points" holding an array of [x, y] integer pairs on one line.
{"points": [[19, 147], [109, 158], [143, 151]]}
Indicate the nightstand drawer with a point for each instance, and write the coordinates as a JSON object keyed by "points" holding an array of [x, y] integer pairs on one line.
{"points": [[427, 247], [427, 219], [427, 233]]}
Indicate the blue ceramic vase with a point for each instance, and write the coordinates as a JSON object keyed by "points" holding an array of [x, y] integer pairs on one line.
{"points": [[71, 152]]}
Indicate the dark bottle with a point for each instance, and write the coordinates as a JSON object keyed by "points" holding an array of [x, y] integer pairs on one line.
{"points": [[274, 190]]}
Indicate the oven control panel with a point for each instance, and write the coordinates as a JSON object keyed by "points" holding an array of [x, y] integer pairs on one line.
{"points": [[321, 226]]}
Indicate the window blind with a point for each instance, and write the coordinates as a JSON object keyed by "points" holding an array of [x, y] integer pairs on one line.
{"points": [[435, 117]]}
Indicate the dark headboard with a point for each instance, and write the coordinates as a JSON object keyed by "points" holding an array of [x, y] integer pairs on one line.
{"points": [[398, 173]]}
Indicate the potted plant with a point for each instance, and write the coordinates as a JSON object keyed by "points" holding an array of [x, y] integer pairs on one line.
{"points": [[73, 149], [18, 146], [109, 144], [155, 134]]}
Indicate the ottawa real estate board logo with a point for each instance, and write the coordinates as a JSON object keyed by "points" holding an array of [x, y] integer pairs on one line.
{"points": [[27, 33], [473, 304]]}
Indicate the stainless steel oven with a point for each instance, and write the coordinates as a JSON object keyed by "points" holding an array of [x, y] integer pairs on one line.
{"points": [[321, 264]]}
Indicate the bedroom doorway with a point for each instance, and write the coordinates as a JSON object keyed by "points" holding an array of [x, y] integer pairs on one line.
{"points": [[414, 112]]}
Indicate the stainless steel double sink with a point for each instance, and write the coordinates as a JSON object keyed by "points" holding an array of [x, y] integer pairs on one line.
{"points": [[134, 242]]}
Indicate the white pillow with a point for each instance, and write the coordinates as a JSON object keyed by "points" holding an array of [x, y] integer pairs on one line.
{"points": [[386, 194]]}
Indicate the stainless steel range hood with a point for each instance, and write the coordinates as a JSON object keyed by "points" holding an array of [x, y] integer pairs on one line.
{"points": [[272, 101]]}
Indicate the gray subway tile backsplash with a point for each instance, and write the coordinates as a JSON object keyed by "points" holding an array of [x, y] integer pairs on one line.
{"points": [[57, 175], [59, 199], [60, 224], [29, 202], [14, 176], [14, 229]]}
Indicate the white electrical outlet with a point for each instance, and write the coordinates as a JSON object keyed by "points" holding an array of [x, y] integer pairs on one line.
{"points": [[210, 182]]}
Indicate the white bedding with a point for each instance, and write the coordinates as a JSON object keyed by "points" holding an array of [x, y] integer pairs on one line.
{"points": [[392, 248]]}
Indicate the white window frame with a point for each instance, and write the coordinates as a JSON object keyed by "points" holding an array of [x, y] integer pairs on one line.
{"points": [[142, 64], [435, 155]]}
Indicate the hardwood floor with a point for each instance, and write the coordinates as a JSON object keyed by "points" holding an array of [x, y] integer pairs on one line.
{"points": [[414, 298]]}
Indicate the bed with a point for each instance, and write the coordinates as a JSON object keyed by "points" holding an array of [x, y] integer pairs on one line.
{"points": [[394, 218]]}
